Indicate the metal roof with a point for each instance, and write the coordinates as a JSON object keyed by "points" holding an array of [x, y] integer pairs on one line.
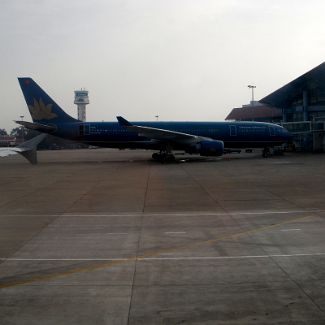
{"points": [[254, 113], [312, 80]]}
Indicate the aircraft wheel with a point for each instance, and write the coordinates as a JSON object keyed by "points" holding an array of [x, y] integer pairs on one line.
{"points": [[170, 158], [156, 156], [266, 153], [163, 157]]}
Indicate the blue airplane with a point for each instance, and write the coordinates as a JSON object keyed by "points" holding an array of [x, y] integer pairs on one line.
{"points": [[203, 138]]}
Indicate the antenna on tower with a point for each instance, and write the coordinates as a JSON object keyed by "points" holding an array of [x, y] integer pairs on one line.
{"points": [[81, 99]]}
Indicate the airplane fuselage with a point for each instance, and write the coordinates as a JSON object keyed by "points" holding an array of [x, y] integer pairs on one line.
{"points": [[233, 134]]}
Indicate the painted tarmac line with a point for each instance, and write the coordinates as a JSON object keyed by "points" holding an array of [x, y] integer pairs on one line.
{"points": [[295, 229], [147, 214], [198, 213], [175, 232], [180, 258], [230, 257]]}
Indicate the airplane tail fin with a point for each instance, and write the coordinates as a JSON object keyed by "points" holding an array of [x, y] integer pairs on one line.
{"points": [[42, 107]]}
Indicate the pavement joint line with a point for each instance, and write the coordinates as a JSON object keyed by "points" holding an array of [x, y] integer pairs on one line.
{"points": [[162, 258], [148, 254], [138, 244]]}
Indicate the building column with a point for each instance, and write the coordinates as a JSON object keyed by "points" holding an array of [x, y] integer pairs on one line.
{"points": [[305, 104], [284, 116]]}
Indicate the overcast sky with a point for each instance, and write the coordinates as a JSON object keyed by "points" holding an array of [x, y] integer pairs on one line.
{"points": [[180, 59]]}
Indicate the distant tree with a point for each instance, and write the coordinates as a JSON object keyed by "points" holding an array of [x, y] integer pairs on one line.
{"points": [[23, 133], [18, 132], [3, 132], [29, 134]]}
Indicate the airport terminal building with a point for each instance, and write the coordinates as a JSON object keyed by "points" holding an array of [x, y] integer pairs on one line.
{"points": [[299, 106]]}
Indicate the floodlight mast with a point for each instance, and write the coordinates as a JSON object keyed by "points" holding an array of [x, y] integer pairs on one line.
{"points": [[22, 129], [252, 87]]}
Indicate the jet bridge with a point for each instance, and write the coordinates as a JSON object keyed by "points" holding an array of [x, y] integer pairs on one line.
{"points": [[308, 135]]}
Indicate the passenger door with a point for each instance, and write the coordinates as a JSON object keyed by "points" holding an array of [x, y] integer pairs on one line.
{"points": [[272, 131], [83, 129], [233, 130]]}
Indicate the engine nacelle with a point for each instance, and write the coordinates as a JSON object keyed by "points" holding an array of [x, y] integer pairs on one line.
{"points": [[211, 148]]}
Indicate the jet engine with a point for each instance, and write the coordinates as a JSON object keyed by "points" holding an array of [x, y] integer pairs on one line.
{"points": [[210, 148]]}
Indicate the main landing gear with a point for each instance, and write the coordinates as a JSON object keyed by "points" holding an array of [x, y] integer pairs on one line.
{"points": [[266, 152], [163, 157]]}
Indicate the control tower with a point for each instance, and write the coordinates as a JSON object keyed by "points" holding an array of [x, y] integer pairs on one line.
{"points": [[81, 99]]}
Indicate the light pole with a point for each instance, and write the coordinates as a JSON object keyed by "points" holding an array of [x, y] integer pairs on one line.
{"points": [[22, 128], [252, 87]]}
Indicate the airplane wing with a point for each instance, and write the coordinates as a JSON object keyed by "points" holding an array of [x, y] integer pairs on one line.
{"points": [[160, 134], [26, 149], [4, 152]]}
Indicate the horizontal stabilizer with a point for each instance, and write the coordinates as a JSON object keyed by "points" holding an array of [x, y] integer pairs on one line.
{"points": [[37, 126]]}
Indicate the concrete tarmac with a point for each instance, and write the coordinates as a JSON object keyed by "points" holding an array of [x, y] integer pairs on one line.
{"points": [[110, 237]]}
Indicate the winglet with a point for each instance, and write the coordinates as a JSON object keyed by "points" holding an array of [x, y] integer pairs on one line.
{"points": [[33, 143], [122, 121], [28, 148]]}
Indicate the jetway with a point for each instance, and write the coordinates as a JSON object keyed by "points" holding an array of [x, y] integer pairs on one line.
{"points": [[308, 135]]}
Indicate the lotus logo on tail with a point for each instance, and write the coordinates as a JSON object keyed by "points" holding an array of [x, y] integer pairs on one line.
{"points": [[40, 111]]}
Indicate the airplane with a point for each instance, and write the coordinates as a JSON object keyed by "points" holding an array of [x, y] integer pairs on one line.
{"points": [[27, 149], [203, 138]]}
